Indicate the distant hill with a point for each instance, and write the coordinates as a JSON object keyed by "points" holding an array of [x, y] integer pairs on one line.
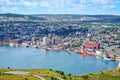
{"points": [[20, 16], [81, 18], [64, 17]]}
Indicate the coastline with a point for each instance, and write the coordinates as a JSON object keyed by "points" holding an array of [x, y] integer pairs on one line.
{"points": [[49, 74], [73, 53]]}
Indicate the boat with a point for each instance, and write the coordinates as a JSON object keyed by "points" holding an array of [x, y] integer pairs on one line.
{"points": [[112, 58], [108, 57], [1, 43], [105, 58], [85, 54]]}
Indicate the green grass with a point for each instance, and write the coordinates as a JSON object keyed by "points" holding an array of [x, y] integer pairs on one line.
{"points": [[50, 74], [105, 75], [17, 77]]}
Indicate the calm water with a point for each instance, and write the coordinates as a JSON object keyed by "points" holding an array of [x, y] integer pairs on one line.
{"points": [[75, 64]]}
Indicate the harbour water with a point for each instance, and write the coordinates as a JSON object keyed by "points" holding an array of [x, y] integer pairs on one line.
{"points": [[30, 58]]}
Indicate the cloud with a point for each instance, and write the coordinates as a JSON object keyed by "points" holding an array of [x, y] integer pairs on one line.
{"points": [[44, 3], [7, 10], [18, 2], [69, 5], [28, 3], [8, 2], [52, 3], [5, 1], [99, 4]]}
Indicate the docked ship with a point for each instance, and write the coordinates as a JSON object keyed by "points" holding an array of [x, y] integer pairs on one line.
{"points": [[85, 53], [88, 47], [108, 57], [1, 43]]}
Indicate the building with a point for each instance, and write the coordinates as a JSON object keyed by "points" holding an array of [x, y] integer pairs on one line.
{"points": [[46, 41], [92, 45], [6, 39], [13, 43], [53, 41]]}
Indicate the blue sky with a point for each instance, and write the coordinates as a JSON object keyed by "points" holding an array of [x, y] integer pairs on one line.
{"points": [[60, 6]]}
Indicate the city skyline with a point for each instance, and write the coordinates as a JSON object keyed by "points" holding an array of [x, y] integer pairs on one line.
{"points": [[91, 7]]}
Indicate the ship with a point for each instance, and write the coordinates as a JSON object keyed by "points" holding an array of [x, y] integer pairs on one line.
{"points": [[85, 53], [108, 57], [1, 43]]}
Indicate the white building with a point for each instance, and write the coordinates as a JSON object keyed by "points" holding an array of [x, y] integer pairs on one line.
{"points": [[46, 41]]}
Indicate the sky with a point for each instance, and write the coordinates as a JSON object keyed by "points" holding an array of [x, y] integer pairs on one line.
{"points": [[60, 6]]}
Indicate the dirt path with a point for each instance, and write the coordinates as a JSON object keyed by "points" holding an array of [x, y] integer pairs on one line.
{"points": [[39, 77], [17, 72], [25, 73]]}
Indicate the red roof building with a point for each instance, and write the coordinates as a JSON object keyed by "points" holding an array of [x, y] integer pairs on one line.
{"points": [[92, 45]]}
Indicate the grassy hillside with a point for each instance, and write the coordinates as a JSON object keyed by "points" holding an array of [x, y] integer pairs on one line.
{"points": [[35, 74]]}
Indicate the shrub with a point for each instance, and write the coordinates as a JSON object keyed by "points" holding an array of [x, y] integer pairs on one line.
{"points": [[101, 72], [25, 79], [50, 69], [85, 77], [52, 78], [69, 74], [60, 72], [64, 77]]}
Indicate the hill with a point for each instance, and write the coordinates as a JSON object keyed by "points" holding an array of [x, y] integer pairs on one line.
{"points": [[81, 18], [19, 17], [44, 74], [61, 18]]}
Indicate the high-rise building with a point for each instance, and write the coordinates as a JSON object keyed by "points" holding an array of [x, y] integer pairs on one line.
{"points": [[53, 41], [46, 41]]}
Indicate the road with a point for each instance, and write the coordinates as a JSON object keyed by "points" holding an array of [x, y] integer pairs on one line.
{"points": [[25, 73]]}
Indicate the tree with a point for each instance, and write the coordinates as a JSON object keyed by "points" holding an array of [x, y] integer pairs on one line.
{"points": [[50, 69], [85, 77], [52, 78], [78, 43], [60, 72], [69, 74], [0, 73], [101, 72], [8, 67]]}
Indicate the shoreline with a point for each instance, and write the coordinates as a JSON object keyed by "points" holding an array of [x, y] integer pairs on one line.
{"points": [[19, 69], [74, 53]]}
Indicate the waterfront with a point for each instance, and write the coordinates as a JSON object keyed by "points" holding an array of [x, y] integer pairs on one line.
{"points": [[75, 64]]}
